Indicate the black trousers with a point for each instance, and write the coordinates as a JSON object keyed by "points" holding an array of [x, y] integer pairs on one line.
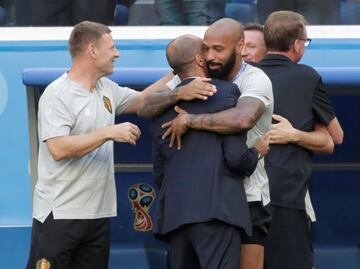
{"points": [[288, 244], [70, 244], [207, 245], [71, 12]]}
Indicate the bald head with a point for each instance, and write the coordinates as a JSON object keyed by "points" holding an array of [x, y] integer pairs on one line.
{"points": [[181, 53], [222, 46], [226, 27]]}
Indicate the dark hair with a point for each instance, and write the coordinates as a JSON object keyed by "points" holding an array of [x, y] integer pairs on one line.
{"points": [[84, 33], [254, 27], [282, 28]]}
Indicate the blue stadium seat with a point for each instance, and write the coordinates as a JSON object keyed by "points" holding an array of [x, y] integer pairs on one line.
{"points": [[248, 2], [2, 16], [243, 11], [121, 15], [350, 12]]}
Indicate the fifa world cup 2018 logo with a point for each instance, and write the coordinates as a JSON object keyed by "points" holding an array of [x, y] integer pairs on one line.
{"points": [[141, 196]]}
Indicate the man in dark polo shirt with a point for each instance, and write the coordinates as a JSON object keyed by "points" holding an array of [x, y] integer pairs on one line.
{"points": [[299, 96]]}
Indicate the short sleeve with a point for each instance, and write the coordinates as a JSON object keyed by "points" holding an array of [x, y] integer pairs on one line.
{"points": [[173, 83], [123, 98], [258, 85], [322, 108], [55, 116]]}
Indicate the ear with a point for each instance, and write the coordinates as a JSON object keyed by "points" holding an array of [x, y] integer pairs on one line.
{"points": [[199, 60], [92, 50], [296, 47], [239, 46]]}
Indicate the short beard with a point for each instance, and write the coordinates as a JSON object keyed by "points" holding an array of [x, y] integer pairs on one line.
{"points": [[225, 69]]}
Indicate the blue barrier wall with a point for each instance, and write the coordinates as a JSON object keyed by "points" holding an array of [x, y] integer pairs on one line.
{"points": [[334, 193]]}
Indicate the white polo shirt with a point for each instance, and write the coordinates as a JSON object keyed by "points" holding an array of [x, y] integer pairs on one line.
{"points": [[84, 187], [253, 82]]}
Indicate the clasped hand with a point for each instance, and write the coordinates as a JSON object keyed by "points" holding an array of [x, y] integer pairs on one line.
{"points": [[176, 127]]}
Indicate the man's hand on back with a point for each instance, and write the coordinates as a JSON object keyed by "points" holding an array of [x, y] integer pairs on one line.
{"points": [[176, 127], [199, 88], [262, 144]]}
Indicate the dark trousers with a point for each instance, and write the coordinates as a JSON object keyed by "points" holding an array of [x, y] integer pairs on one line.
{"points": [[207, 245], [288, 244], [70, 244], [71, 12]]}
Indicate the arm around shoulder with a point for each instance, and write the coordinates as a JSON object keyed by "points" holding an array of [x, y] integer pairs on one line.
{"points": [[317, 141]]}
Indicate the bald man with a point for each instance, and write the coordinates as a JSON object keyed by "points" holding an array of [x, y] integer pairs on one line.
{"points": [[202, 211], [222, 46]]}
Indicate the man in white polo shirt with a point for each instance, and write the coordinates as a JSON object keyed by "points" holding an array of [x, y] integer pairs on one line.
{"points": [[75, 192]]}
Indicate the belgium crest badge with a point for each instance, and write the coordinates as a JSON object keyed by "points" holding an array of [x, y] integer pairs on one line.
{"points": [[107, 104], [43, 264]]}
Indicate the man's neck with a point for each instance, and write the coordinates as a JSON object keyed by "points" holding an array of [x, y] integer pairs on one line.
{"points": [[194, 73], [234, 71], [288, 54], [83, 75]]}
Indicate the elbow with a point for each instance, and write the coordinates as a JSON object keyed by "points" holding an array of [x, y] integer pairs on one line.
{"points": [[328, 148], [244, 124], [55, 151], [144, 112], [57, 155], [338, 140], [141, 111]]}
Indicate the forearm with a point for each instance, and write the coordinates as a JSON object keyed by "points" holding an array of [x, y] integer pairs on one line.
{"points": [[74, 146], [234, 120], [244, 163], [318, 141], [157, 102], [335, 131]]}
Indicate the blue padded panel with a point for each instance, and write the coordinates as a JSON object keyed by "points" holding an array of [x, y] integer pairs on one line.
{"points": [[14, 246], [335, 196], [344, 76], [137, 256], [131, 77], [346, 106], [337, 257], [140, 77], [141, 153]]}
